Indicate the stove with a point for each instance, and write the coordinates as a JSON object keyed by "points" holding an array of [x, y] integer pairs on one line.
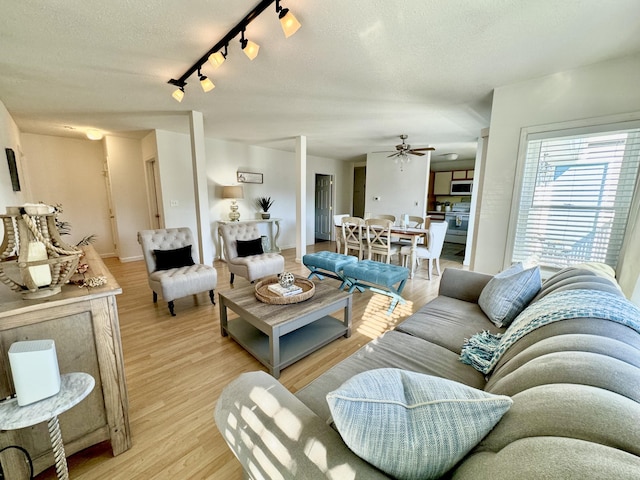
{"points": [[458, 219]]}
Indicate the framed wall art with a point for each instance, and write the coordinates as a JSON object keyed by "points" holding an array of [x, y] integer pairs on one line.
{"points": [[13, 169], [249, 177]]}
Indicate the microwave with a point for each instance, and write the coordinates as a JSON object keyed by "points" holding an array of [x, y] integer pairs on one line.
{"points": [[461, 187]]}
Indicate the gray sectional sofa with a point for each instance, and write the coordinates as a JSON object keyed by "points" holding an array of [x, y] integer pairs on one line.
{"points": [[574, 383]]}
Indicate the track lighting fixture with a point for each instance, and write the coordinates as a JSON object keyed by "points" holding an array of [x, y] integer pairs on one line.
{"points": [[249, 48], [216, 56], [206, 84], [288, 21]]}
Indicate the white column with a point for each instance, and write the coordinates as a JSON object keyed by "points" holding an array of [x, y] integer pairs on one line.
{"points": [[199, 162], [301, 197]]}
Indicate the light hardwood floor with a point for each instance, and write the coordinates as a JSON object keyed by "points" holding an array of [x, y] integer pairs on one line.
{"points": [[177, 366]]}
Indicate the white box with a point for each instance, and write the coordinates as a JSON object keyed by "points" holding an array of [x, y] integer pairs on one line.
{"points": [[34, 367]]}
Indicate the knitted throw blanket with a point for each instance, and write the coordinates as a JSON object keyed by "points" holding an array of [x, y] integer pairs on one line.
{"points": [[483, 350]]}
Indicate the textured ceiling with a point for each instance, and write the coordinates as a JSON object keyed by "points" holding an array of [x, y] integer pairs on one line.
{"points": [[354, 77]]}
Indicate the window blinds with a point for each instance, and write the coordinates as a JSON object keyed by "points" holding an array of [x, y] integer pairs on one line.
{"points": [[576, 194]]}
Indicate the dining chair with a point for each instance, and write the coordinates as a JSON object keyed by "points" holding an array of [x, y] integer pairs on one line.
{"points": [[378, 235], [337, 223], [384, 217], [415, 221], [431, 252], [352, 237]]}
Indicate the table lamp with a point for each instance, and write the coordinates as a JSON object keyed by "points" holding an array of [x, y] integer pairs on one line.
{"points": [[234, 192]]}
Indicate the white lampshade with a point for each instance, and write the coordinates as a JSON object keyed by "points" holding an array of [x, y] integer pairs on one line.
{"points": [[178, 94], [289, 23], [216, 59], [251, 49], [206, 84]]}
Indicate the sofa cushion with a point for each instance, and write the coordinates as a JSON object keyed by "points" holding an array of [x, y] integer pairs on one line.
{"points": [[542, 411], [175, 258], [573, 278], [447, 322], [585, 368], [411, 425], [508, 293], [246, 248]]}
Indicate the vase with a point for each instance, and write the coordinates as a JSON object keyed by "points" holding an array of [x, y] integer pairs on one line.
{"points": [[265, 215]]}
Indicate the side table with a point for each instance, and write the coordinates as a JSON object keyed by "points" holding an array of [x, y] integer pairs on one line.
{"points": [[74, 387]]}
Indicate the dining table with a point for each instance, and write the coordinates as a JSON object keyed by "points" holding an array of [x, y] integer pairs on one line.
{"points": [[413, 234], [410, 233]]}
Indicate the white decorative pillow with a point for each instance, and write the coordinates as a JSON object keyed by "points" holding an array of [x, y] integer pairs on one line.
{"points": [[508, 293], [411, 425]]}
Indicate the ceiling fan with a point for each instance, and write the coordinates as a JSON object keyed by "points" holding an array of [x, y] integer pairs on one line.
{"points": [[403, 149]]}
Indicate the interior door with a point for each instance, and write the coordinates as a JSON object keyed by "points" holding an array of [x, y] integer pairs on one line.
{"points": [[323, 207], [112, 214], [359, 190]]}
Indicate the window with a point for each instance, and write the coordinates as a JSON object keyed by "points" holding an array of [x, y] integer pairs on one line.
{"points": [[577, 191]]}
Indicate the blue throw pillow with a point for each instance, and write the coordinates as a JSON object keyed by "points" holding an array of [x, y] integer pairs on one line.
{"points": [[176, 258], [508, 293], [247, 248], [411, 425]]}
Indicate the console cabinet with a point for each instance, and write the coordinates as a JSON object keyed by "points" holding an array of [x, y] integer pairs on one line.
{"points": [[83, 322]]}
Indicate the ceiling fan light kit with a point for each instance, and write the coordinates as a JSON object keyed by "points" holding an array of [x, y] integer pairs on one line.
{"points": [[403, 150], [216, 56]]}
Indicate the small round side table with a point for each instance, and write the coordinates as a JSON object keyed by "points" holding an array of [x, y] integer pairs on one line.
{"points": [[74, 387]]}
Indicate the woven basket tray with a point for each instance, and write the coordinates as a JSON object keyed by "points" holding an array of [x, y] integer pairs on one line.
{"points": [[267, 296]]}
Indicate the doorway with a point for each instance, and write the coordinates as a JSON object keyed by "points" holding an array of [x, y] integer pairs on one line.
{"points": [[153, 194], [323, 207], [359, 190]]}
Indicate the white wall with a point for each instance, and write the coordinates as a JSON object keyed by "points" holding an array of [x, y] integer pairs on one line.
{"points": [[128, 194], [603, 89], [340, 172], [10, 138], [176, 182], [400, 192], [68, 171], [224, 159]]}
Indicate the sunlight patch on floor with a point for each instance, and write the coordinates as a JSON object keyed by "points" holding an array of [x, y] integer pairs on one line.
{"points": [[376, 320]]}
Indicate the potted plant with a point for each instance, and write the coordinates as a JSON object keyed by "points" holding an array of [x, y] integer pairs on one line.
{"points": [[264, 204]]}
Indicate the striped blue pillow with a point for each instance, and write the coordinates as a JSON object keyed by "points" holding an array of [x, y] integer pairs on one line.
{"points": [[411, 425], [508, 293]]}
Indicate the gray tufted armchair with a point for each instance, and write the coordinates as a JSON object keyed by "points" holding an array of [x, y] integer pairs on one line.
{"points": [[250, 264], [170, 266]]}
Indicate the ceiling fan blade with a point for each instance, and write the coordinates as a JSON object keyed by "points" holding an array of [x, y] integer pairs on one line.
{"points": [[393, 155], [422, 149], [413, 152]]}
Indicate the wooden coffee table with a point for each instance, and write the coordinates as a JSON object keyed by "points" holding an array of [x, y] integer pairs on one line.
{"points": [[279, 335]]}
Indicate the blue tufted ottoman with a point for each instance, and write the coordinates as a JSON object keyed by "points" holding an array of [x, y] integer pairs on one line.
{"points": [[375, 275], [328, 264]]}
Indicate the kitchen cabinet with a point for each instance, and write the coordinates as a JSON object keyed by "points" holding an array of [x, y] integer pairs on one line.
{"points": [[462, 175], [442, 183]]}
